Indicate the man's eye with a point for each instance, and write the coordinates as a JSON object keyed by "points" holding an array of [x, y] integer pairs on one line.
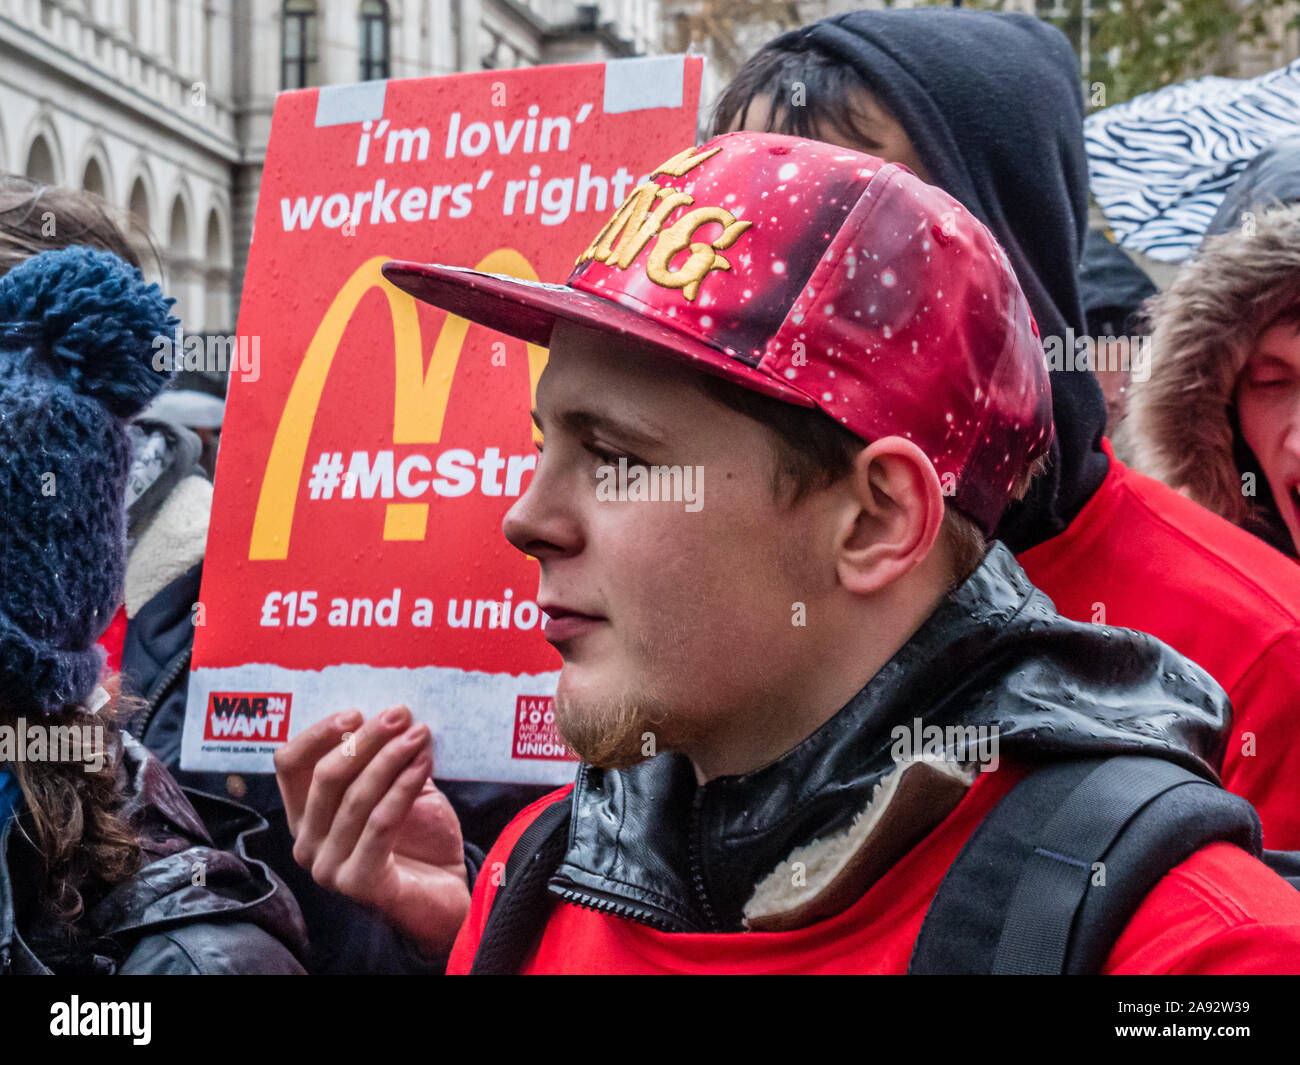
{"points": [[611, 458]]}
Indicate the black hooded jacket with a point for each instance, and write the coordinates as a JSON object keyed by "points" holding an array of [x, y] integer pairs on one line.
{"points": [[993, 106]]}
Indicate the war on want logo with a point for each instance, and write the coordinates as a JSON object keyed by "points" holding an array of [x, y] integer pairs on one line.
{"points": [[535, 733], [248, 717]]}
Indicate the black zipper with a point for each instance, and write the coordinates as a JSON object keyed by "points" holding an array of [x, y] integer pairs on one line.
{"points": [[160, 689], [629, 911], [697, 866]]}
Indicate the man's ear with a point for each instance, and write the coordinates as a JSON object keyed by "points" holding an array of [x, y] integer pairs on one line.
{"points": [[898, 510]]}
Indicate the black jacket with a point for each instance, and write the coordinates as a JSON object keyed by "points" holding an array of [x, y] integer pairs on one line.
{"points": [[650, 844], [199, 903]]}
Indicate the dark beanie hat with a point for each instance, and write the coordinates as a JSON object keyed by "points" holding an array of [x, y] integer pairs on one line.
{"points": [[77, 339]]}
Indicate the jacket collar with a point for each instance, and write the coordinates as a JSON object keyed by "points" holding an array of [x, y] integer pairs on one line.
{"points": [[650, 844]]}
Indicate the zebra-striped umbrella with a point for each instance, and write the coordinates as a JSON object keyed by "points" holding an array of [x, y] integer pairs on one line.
{"points": [[1160, 165]]}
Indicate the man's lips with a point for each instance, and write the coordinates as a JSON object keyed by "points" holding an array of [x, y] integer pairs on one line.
{"points": [[566, 624]]}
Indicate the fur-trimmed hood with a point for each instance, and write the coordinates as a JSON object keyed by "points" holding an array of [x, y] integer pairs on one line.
{"points": [[1181, 425]]}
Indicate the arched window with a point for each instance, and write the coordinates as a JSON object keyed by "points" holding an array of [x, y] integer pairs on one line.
{"points": [[216, 296], [299, 51], [40, 163], [178, 232], [93, 179], [374, 39], [139, 204], [140, 232]]}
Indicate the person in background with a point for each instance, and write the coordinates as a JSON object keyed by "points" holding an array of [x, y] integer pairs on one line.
{"points": [[1219, 418], [195, 400], [1112, 288], [36, 218], [988, 107], [105, 866], [151, 637]]}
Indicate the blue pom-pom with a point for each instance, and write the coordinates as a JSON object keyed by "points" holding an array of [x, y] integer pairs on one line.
{"points": [[92, 321]]}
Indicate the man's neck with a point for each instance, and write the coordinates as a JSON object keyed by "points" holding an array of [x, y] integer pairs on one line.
{"points": [[859, 643]]}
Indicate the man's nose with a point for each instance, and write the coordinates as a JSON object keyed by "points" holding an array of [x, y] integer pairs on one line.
{"points": [[543, 522]]}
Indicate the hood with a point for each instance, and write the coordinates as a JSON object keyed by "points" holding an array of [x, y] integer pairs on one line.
{"points": [[162, 453], [1271, 179], [173, 543], [993, 106], [1181, 424], [650, 844], [169, 502]]}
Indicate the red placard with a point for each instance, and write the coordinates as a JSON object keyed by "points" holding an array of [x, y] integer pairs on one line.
{"points": [[372, 444]]}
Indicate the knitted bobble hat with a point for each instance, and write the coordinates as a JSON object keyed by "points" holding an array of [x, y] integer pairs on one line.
{"points": [[78, 332]]}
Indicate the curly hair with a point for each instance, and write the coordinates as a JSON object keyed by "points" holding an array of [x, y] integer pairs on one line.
{"points": [[72, 815]]}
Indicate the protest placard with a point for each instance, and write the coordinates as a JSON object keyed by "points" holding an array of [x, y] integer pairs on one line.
{"points": [[372, 444]]}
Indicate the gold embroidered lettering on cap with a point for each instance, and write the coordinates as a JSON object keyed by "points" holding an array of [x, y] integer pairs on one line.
{"points": [[704, 257], [683, 162], [639, 220]]}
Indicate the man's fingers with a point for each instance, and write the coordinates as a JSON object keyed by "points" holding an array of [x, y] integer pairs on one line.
{"points": [[364, 794], [333, 775], [295, 761], [381, 828]]}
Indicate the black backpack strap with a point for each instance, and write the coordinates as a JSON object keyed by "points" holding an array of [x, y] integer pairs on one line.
{"points": [[521, 904], [1027, 893]]}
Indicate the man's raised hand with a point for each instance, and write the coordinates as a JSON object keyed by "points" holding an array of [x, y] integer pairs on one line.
{"points": [[368, 822]]}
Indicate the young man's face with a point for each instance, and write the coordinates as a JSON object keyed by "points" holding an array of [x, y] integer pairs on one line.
{"points": [[1268, 405], [885, 137], [671, 622]]}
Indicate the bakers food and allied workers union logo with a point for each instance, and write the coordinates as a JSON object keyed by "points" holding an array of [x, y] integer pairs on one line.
{"points": [[641, 217]]}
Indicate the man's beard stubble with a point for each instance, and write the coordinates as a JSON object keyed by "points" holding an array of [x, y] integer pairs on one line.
{"points": [[629, 726], [611, 734]]}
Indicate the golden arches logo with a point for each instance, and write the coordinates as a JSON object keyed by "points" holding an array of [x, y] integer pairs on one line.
{"points": [[419, 400]]}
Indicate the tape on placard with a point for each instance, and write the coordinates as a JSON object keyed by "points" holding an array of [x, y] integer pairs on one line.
{"points": [[639, 84], [340, 104]]}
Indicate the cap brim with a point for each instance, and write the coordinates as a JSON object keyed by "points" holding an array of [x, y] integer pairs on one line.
{"points": [[529, 310]]}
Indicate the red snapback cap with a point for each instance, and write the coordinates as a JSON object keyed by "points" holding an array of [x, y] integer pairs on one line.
{"points": [[819, 275]]}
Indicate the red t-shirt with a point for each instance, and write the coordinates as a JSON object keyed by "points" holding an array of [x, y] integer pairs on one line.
{"points": [[1141, 556], [1220, 911]]}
